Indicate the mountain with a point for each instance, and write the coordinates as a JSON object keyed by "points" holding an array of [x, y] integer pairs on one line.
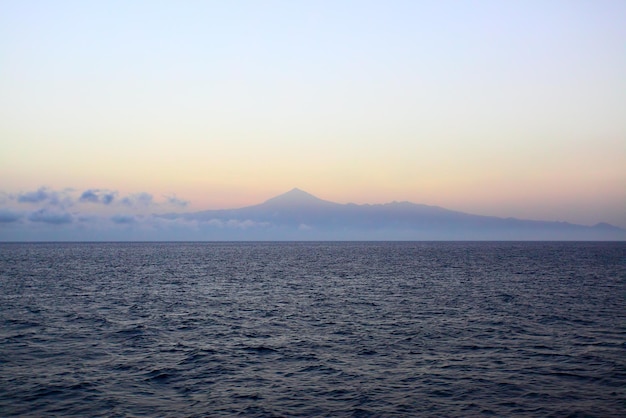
{"points": [[296, 199], [298, 215]]}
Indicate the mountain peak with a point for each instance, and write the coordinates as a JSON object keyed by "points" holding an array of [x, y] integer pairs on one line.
{"points": [[296, 191], [295, 197]]}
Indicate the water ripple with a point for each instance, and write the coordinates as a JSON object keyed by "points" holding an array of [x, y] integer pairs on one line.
{"points": [[313, 329]]}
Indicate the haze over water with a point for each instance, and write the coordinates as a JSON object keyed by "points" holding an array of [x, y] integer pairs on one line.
{"points": [[301, 329]]}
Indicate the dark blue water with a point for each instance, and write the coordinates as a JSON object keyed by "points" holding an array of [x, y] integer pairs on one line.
{"points": [[323, 329]]}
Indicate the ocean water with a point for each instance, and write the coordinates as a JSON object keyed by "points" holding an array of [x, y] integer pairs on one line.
{"points": [[313, 329]]}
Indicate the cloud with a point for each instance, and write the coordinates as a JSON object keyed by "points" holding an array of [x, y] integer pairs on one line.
{"points": [[173, 200], [50, 217], [61, 198], [89, 196], [6, 197], [45, 197], [138, 199], [123, 219], [105, 197], [235, 223], [37, 196], [8, 216], [95, 213]]}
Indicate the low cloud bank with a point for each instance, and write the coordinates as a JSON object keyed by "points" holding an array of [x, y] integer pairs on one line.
{"points": [[103, 214], [67, 198], [8, 216], [51, 217]]}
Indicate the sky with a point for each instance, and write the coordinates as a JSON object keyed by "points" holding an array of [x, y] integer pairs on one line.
{"points": [[497, 108]]}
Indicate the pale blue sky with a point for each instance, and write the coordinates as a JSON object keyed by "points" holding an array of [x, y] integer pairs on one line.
{"points": [[508, 108]]}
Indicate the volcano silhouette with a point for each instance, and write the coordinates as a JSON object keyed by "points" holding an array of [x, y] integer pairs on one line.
{"points": [[298, 215]]}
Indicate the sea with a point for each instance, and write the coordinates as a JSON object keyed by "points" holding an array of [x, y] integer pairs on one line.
{"points": [[281, 329]]}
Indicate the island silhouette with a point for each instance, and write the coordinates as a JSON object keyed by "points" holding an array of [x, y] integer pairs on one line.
{"points": [[298, 215]]}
